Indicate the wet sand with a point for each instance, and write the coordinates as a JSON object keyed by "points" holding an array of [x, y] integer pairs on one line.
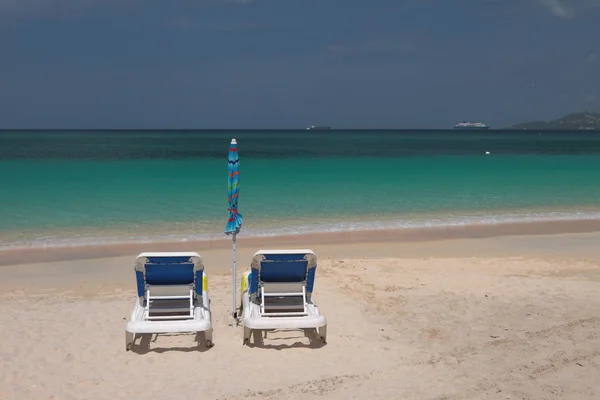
{"points": [[395, 236]]}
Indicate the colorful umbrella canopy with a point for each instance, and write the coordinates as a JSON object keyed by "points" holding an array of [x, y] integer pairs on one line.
{"points": [[234, 223]]}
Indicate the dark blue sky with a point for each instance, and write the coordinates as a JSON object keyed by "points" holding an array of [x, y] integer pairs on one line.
{"points": [[289, 64]]}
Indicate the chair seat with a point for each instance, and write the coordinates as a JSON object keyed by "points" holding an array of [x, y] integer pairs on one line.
{"points": [[283, 304], [283, 298]]}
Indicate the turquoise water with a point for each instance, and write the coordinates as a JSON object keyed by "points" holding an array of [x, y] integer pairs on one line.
{"points": [[73, 188]]}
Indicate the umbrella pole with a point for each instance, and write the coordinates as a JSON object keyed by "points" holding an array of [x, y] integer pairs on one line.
{"points": [[234, 274]]}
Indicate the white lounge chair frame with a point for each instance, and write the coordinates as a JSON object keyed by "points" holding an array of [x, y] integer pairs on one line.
{"points": [[195, 316], [257, 315]]}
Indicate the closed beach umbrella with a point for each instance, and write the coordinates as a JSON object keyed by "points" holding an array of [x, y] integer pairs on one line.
{"points": [[234, 223]]}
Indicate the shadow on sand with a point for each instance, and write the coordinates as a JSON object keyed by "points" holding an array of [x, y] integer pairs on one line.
{"points": [[141, 344], [274, 342]]}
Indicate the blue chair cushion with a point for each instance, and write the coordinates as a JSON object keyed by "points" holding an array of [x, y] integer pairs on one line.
{"points": [[169, 260], [286, 271], [140, 283], [170, 273]]}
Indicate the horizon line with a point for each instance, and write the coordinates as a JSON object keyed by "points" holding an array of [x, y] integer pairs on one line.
{"points": [[3, 130]]}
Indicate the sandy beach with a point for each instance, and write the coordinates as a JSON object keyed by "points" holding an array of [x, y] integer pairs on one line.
{"points": [[496, 317]]}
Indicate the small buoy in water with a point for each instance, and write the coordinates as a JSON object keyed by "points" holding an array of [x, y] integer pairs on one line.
{"points": [[487, 153]]}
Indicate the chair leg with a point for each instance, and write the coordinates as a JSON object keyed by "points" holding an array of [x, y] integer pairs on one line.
{"points": [[129, 339], [323, 333], [208, 336], [246, 335]]}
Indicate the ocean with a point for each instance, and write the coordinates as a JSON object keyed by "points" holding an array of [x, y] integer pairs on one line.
{"points": [[69, 188]]}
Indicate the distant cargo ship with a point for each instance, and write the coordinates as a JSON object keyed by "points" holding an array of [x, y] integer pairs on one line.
{"points": [[471, 125], [318, 128]]}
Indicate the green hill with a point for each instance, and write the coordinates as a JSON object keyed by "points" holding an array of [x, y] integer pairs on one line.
{"points": [[587, 120]]}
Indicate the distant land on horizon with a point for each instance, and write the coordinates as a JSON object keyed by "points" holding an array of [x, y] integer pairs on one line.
{"points": [[586, 120]]}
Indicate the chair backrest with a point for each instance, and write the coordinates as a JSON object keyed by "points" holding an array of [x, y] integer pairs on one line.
{"points": [[279, 266], [168, 269]]}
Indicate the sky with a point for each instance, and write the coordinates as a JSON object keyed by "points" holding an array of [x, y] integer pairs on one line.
{"points": [[205, 64]]}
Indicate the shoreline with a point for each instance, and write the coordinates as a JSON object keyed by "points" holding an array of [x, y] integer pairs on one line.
{"points": [[400, 236], [211, 231]]}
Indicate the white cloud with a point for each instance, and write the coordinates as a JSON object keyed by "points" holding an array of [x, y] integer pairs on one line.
{"points": [[568, 8], [44, 6], [590, 98], [184, 23], [379, 46], [179, 23], [19, 6], [558, 8], [49, 6], [592, 58], [387, 45], [335, 49]]}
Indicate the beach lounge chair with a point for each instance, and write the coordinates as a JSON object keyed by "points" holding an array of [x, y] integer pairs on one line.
{"points": [[172, 296], [277, 293]]}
